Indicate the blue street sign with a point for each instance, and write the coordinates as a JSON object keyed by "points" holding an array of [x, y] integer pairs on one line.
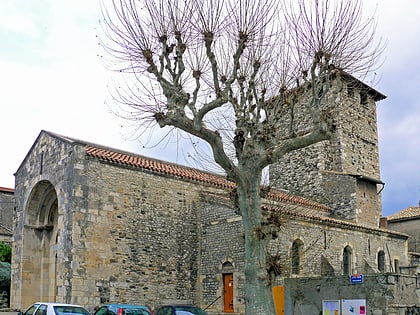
{"points": [[355, 279]]}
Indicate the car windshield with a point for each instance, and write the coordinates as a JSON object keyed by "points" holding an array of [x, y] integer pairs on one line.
{"points": [[70, 310], [189, 310]]}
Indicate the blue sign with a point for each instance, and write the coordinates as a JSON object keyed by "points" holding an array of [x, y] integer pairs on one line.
{"points": [[355, 279]]}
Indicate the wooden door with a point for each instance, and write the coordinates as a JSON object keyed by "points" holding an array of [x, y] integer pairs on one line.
{"points": [[228, 293], [278, 295]]}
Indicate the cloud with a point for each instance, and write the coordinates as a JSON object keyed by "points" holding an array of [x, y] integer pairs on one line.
{"points": [[18, 24]]}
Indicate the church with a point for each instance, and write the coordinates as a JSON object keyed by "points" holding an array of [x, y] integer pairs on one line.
{"points": [[94, 224]]}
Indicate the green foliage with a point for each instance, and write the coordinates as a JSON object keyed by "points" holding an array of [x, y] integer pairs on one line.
{"points": [[5, 253], [4, 274], [5, 260]]}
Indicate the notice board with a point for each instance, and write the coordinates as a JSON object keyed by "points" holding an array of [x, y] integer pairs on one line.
{"points": [[353, 307], [331, 307]]}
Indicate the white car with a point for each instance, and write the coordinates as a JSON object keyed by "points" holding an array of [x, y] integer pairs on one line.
{"points": [[41, 308]]}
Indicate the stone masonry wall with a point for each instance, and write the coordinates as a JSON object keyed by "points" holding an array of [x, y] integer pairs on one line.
{"points": [[385, 294], [352, 150], [222, 251], [48, 166], [324, 243], [6, 209], [127, 235], [123, 235], [139, 237], [410, 227]]}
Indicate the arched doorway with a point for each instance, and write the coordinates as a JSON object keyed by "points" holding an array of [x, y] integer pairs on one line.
{"points": [[40, 238]]}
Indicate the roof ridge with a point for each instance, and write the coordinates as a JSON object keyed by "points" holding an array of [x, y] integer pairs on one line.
{"points": [[6, 189], [407, 213], [139, 161], [341, 222]]}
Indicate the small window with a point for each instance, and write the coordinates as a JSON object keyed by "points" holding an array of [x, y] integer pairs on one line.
{"points": [[397, 265], [363, 98], [296, 255], [347, 253], [381, 261], [350, 90]]}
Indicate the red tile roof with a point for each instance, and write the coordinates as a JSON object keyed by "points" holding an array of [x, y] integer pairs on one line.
{"points": [[313, 215], [137, 161], [408, 213], [157, 166], [7, 190]]}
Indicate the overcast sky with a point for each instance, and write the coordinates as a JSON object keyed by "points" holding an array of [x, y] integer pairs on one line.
{"points": [[51, 79]]}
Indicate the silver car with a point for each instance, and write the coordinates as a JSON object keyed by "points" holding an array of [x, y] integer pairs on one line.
{"points": [[41, 308]]}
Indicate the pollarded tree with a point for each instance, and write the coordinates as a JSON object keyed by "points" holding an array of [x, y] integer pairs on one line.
{"points": [[231, 72]]}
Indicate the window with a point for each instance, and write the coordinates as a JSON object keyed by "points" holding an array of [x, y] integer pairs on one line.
{"points": [[363, 98], [397, 265], [42, 310], [296, 255], [347, 253], [350, 90], [381, 261]]}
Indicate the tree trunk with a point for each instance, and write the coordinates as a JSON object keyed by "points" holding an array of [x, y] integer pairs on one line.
{"points": [[258, 294]]}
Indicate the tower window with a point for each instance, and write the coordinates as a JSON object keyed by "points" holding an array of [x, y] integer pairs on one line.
{"points": [[363, 98]]}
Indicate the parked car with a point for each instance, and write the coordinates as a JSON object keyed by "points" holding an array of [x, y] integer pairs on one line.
{"points": [[46, 308], [123, 309], [179, 310]]}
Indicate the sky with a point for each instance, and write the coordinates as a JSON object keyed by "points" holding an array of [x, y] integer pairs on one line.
{"points": [[51, 78]]}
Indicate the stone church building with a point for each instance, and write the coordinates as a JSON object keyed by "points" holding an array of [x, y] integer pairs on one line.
{"points": [[94, 224]]}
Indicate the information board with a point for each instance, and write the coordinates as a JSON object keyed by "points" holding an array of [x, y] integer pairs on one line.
{"points": [[331, 307], [353, 307]]}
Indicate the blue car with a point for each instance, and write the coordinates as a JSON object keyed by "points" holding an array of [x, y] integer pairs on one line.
{"points": [[123, 309], [179, 310]]}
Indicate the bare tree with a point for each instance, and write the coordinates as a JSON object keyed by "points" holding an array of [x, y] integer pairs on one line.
{"points": [[232, 72]]}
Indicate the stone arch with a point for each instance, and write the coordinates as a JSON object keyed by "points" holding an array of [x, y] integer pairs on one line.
{"points": [[40, 238]]}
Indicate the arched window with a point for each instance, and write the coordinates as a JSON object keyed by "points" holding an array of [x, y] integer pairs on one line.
{"points": [[297, 256], [347, 261], [381, 261]]}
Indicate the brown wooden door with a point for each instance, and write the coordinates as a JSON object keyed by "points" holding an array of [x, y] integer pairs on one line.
{"points": [[228, 293]]}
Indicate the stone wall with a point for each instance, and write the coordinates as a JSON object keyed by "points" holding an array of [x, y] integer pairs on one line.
{"points": [[385, 294], [352, 150], [6, 208], [144, 237], [89, 231], [122, 234], [323, 245], [410, 227]]}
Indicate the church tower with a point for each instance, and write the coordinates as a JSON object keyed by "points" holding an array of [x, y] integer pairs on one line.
{"points": [[342, 172]]}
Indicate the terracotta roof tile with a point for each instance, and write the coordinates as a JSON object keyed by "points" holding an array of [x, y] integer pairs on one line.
{"points": [[408, 213], [157, 166], [310, 214], [7, 190], [137, 161]]}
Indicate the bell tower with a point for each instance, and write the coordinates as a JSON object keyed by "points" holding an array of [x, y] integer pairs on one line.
{"points": [[342, 172]]}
